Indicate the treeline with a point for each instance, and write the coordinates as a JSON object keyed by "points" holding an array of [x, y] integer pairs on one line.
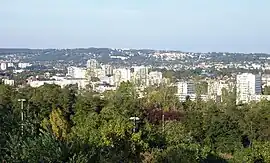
{"points": [[64, 125]]}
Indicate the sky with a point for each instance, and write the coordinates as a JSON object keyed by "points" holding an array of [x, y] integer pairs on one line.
{"points": [[187, 25]]}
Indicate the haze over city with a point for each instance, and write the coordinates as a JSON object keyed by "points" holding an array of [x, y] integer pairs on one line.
{"points": [[197, 26]]}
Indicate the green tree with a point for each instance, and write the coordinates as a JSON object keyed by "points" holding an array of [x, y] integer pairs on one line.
{"points": [[8, 119], [47, 148], [266, 90], [163, 97], [59, 123]]}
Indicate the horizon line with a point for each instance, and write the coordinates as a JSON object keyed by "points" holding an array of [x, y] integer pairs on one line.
{"points": [[97, 47]]}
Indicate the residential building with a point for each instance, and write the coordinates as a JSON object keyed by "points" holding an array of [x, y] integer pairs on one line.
{"points": [[121, 75], [82, 83], [47, 75], [247, 85], [104, 87], [186, 88], [92, 63], [140, 75], [23, 65], [215, 88], [108, 70], [10, 64], [8, 82], [107, 79], [3, 66], [76, 72], [155, 78]]}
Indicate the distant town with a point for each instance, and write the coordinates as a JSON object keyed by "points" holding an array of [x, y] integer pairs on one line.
{"points": [[193, 75]]}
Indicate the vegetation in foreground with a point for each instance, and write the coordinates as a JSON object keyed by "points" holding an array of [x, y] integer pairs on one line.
{"points": [[64, 125]]}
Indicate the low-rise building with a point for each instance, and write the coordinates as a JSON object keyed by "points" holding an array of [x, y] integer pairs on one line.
{"points": [[82, 83], [102, 87], [8, 82], [23, 65]]}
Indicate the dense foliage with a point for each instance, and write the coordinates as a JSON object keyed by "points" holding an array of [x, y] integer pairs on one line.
{"points": [[67, 125]]}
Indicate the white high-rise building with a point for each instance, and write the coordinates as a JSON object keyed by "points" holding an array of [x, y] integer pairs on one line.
{"points": [[121, 75], [185, 88], [3, 66], [92, 63], [247, 86], [76, 72], [108, 70], [140, 75]]}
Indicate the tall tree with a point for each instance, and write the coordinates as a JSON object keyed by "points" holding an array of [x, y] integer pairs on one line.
{"points": [[59, 123]]}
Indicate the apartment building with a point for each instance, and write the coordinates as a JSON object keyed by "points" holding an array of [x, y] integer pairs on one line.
{"points": [[247, 86]]}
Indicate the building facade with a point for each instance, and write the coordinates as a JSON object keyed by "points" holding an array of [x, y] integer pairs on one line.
{"points": [[186, 88], [247, 86], [108, 70], [155, 78], [140, 75], [76, 72], [92, 63], [121, 75], [3, 66]]}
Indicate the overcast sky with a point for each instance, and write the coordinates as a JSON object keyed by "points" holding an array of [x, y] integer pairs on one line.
{"points": [[188, 25]]}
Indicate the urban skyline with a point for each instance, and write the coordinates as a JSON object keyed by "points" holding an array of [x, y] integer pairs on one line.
{"points": [[143, 81]]}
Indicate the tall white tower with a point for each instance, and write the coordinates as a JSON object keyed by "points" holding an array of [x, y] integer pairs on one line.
{"points": [[247, 85], [3, 66], [92, 63], [140, 75], [108, 70]]}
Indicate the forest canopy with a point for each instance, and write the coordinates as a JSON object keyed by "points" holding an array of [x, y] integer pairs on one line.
{"points": [[57, 124]]}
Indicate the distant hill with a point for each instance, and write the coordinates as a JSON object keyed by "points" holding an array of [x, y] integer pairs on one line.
{"points": [[14, 50]]}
